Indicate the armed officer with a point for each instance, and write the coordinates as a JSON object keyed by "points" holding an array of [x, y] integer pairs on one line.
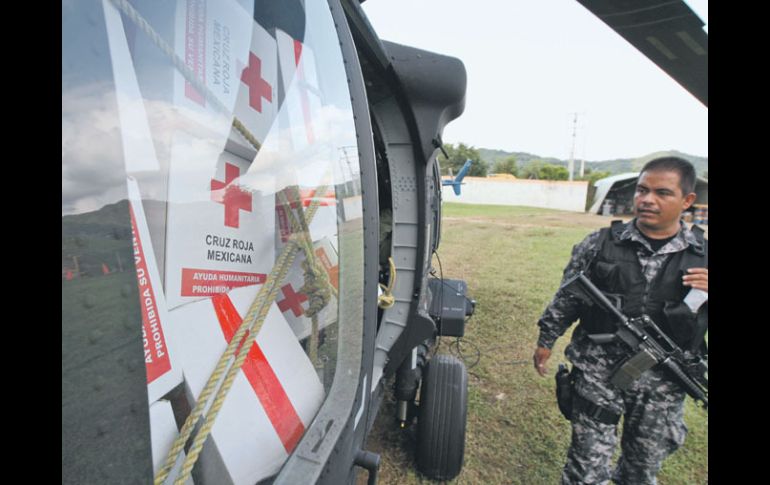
{"points": [[647, 266]]}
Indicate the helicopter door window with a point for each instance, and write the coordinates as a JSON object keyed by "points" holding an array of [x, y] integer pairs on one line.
{"points": [[240, 185]]}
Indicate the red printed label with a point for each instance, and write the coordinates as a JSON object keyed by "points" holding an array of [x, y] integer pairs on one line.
{"points": [[156, 358], [332, 271], [283, 223], [195, 48], [303, 94], [308, 196], [257, 370], [206, 282]]}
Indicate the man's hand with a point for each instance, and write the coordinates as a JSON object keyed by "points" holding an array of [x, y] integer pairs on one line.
{"points": [[697, 278], [541, 357]]}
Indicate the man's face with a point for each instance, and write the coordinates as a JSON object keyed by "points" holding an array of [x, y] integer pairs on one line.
{"points": [[659, 201]]}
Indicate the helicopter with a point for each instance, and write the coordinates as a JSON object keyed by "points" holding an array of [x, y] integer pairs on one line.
{"points": [[250, 205]]}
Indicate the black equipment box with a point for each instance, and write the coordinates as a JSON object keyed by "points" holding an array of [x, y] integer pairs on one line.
{"points": [[450, 306]]}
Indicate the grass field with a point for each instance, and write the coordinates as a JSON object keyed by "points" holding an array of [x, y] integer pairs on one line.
{"points": [[512, 259]]}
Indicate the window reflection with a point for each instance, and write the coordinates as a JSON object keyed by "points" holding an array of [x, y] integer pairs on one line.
{"points": [[209, 177]]}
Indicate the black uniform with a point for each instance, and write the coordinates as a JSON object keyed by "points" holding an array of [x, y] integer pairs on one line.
{"points": [[621, 261]]}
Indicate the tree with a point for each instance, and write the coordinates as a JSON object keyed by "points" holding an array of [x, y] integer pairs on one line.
{"points": [[592, 177], [507, 165], [538, 169], [532, 169], [457, 157], [553, 172]]}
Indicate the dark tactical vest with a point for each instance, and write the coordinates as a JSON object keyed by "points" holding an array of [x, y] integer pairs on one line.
{"points": [[616, 271]]}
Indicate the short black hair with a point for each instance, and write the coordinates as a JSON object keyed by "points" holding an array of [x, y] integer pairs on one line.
{"points": [[674, 164]]}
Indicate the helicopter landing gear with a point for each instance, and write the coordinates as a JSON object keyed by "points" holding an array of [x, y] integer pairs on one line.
{"points": [[442, 418]]}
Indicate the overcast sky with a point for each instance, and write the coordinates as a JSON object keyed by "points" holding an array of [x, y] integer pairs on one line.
{"points": [[531, 64]]}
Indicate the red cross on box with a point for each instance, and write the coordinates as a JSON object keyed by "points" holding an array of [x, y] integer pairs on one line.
{"points": [[292, 301], [258, 87], [234, 198]]}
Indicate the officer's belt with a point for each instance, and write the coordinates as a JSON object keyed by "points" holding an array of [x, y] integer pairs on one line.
{"points": [[583, 405]]}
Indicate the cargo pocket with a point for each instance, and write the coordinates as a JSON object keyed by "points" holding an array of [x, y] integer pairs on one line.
{"points": [[605, 275], [676, 430], [682, 322]]}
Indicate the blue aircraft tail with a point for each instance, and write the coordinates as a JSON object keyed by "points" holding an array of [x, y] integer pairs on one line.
{"points": [[463, 171], [458, 180]]}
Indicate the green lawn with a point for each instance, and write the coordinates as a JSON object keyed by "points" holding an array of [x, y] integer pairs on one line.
{"points": [[512, 259]]}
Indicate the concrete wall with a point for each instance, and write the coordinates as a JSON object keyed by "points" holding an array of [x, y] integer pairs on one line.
{"points": [[570, 196]]}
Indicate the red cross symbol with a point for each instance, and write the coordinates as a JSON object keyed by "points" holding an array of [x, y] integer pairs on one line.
{"points": [[234, 198], [293, 301], [258, 87]]}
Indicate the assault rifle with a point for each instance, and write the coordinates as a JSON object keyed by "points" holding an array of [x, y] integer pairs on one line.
{"points": [[649, 346]]}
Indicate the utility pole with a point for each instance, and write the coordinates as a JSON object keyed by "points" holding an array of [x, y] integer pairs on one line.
{"points": [[571, 166]]}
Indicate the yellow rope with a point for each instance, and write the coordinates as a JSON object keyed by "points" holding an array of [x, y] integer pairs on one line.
{"points": [[387, 300], [317, 286]]}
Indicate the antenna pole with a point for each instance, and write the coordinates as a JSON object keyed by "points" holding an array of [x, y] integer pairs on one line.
{"points": [[571, 166]]}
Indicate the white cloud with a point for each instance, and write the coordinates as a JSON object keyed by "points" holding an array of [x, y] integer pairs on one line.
{"points": [[91, 150]]}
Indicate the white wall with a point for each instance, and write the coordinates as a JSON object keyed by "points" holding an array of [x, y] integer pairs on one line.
{"points": [[570, 196]]}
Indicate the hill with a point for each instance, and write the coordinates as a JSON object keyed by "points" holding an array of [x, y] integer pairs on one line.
{"points": [[615, 166], [101, 237]]}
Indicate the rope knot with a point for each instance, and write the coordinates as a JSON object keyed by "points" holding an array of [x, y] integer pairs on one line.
{"points": [[316, 287]]}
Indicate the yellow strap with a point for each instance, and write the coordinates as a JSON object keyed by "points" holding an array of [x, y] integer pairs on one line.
{"points": [[387, 300]]}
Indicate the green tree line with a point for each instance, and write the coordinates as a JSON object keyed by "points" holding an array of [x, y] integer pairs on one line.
{"points": [[534, 169]]}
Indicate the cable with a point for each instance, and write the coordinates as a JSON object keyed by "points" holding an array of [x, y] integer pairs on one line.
{"points": [[460, 355], [440, 297], [443, 283], [456, 344], [441, 272], [453, 289]]}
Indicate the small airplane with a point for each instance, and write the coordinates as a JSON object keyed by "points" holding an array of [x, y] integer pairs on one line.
{"points": [[457, 181]]}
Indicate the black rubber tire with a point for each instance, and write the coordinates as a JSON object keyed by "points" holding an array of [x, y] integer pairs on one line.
{"points": [[442, 417]]}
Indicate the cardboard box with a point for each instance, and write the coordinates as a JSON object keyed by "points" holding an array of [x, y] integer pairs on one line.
{"points": [[163, 433]]}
